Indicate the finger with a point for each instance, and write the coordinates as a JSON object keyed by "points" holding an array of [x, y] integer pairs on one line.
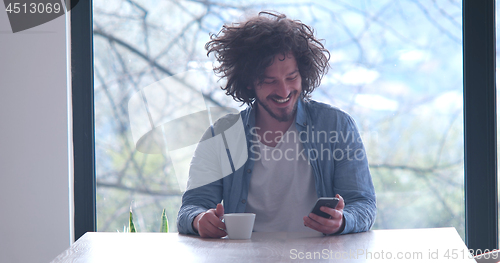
{"points": [[209, 228], [211, 231], [334, 213], [209, 218], [219, 210], [216, 222], [316, 226], [216, 232], [319, 219], [341, 204], [327, 226]]}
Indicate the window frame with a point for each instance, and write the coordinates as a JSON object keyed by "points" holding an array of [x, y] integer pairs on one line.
{"points": [[480, 128], [480, 153], [82, 88]]}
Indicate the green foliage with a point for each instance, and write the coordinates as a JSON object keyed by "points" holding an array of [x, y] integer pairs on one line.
{"points": [[131, 226]]}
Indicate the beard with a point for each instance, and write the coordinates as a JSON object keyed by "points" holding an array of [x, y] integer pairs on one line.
{"points": [[282, 115]]}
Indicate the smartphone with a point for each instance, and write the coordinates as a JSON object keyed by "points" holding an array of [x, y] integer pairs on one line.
{"points": [[324, 201]]}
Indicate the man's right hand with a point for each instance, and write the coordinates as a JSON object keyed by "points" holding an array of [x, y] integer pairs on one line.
{"points": [[209, 224]]}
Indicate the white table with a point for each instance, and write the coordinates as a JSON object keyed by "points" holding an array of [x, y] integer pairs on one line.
{"points": [[401, 245]]}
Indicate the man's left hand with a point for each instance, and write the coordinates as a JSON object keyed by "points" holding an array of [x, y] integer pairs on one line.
{"points": [[332, 225]]}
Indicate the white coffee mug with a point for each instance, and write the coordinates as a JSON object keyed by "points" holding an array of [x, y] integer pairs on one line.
{"points": [[239, 225]]}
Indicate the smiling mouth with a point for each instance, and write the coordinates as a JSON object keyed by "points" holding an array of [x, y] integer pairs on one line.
{"points": [[283, 100]]}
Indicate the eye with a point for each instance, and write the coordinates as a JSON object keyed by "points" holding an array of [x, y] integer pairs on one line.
{"points": [[293, 78], [269, 82]]}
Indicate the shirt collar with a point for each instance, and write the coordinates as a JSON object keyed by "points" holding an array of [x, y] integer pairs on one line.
{"points": [[301, 118]]}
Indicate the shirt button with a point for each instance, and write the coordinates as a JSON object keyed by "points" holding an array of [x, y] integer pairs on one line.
{"points": [[249, 170], [243, 201], [304, 123]]}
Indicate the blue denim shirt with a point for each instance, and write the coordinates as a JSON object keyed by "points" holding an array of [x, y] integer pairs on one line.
{"points": [[333, 147]]}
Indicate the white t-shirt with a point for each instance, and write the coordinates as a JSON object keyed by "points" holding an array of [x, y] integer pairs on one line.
{"points": [[282, 188]]}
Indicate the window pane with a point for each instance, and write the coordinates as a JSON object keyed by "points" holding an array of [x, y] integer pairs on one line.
{"points": [[396, 68]]}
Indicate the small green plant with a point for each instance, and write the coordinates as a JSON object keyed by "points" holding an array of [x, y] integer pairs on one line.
{"points": [[131, 226], [164, 222]]}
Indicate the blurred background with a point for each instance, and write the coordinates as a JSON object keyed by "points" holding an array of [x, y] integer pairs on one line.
{"points": [[396, 67]]}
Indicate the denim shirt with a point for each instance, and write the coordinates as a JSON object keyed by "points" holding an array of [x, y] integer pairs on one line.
{"points": [[333, 147]]}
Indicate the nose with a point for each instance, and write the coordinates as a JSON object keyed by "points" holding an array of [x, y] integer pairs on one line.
{"points": [[282, 89]]}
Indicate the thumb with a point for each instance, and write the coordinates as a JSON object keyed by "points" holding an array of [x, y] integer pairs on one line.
{"points": [[341, 204], [219, 210]]}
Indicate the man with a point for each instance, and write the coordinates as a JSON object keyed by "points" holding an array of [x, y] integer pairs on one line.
{"points": [[298, 149]]}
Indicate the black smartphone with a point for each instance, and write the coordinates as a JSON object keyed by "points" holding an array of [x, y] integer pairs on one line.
{"points": [[324, 201]]}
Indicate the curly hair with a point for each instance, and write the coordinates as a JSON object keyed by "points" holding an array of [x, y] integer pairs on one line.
{"points": [[245, 50]]}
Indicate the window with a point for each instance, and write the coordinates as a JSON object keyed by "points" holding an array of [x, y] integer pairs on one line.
{"points": [[396, 68]]}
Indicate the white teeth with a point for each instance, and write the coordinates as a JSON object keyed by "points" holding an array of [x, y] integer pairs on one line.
{"points": [[283, 100]]}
